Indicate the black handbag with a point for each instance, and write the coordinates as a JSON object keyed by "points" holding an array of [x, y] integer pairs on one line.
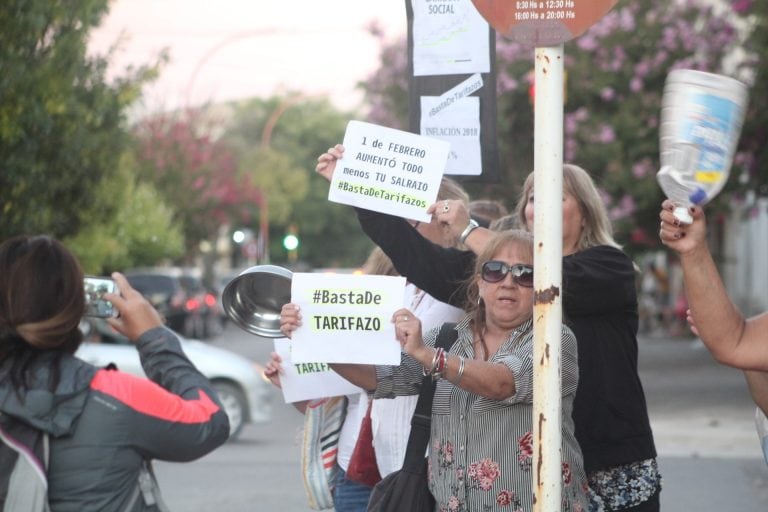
{"points": [[407, 489]]}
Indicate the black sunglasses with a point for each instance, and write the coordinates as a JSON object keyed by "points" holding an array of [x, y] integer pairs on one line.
{"points": [[496, 271]]}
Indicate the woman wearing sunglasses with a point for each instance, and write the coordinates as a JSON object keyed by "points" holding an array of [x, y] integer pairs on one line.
{"points": [[599, 304], [480, 451]]}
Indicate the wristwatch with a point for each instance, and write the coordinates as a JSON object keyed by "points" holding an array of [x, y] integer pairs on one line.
{"points": [[470, 227]]}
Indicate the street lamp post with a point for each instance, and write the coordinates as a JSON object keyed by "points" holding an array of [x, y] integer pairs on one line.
{"points": [[212, 51], [266, 140]]}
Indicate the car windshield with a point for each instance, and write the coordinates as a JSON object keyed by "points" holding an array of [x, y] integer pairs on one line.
{"points": [[152, 284]]}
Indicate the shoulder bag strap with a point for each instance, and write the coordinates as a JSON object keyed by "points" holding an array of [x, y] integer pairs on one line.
{"points": [[422, 416]]}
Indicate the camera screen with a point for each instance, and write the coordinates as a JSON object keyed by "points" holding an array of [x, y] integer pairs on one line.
{"points": [[95, 305]]}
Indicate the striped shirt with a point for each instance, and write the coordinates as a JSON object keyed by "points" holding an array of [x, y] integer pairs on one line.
{"points": [[481, 450]]}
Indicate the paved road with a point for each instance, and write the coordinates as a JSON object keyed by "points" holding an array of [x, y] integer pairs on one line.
{"points": [[701, 414]]}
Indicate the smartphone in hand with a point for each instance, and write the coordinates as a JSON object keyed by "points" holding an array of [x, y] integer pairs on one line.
{"points": [[95, 304]]}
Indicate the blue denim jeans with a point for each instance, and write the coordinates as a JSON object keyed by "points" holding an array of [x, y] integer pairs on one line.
{"points": [[349, 496]]}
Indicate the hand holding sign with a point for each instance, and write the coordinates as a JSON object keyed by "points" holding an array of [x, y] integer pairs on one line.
{"points": [[386, 170], [326, 163], [408, 333]]}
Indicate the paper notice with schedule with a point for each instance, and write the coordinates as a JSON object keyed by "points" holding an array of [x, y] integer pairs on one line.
{"points": [[389, 171]]}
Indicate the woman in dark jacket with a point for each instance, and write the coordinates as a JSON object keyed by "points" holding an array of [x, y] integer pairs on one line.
{"points": [[104, 426], [599, 305]]}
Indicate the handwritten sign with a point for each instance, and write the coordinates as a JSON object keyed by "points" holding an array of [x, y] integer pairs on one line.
{"points": [[346, 318], [307, 381], [543, 22], [389, 171]]}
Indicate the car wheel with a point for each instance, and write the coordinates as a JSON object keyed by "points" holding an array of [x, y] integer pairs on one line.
{"points": [[233, 401]]}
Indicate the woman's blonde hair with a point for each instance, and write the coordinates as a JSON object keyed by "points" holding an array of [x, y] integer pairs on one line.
{"points": [[577, 182], [379, 264], [450, 189], [514, 237]]}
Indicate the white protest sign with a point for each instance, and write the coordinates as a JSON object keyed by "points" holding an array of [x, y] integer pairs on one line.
{"points": [[346, 318], [307, 381], [389, 171]]}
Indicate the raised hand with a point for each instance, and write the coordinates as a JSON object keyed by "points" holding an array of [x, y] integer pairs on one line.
{"points": [[137, 315], [273, 369], [326, 163]]}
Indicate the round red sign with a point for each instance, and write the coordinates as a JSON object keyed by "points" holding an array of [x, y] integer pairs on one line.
{"points": [[543, 22]]}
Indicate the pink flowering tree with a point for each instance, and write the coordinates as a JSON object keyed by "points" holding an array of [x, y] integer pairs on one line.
{"points": [[195, 173], [615, 78], [752, 158]]}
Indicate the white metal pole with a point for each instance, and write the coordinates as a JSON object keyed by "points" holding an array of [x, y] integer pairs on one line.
{"points": [[548, 254]]}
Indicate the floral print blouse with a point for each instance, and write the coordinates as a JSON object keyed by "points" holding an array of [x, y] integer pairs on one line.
{"points": [[481, 450]]}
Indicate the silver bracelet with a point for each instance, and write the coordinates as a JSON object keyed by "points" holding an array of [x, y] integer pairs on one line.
{"points": [[424, 370], [460, 372], [470, 227]]}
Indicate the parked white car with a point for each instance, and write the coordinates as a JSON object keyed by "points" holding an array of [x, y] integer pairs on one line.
{"points": [[245, 395]]}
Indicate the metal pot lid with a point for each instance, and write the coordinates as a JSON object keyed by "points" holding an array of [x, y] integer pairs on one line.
{"points": [[254, 298]]}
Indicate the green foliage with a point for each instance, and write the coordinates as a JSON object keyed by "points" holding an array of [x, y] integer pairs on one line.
{"points": [[141, 233], [194, 171], [278, 177], [61, 123], [297, 130]]}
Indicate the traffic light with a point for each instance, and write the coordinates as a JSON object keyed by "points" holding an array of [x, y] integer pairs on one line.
{"points": [[291, 242]]}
